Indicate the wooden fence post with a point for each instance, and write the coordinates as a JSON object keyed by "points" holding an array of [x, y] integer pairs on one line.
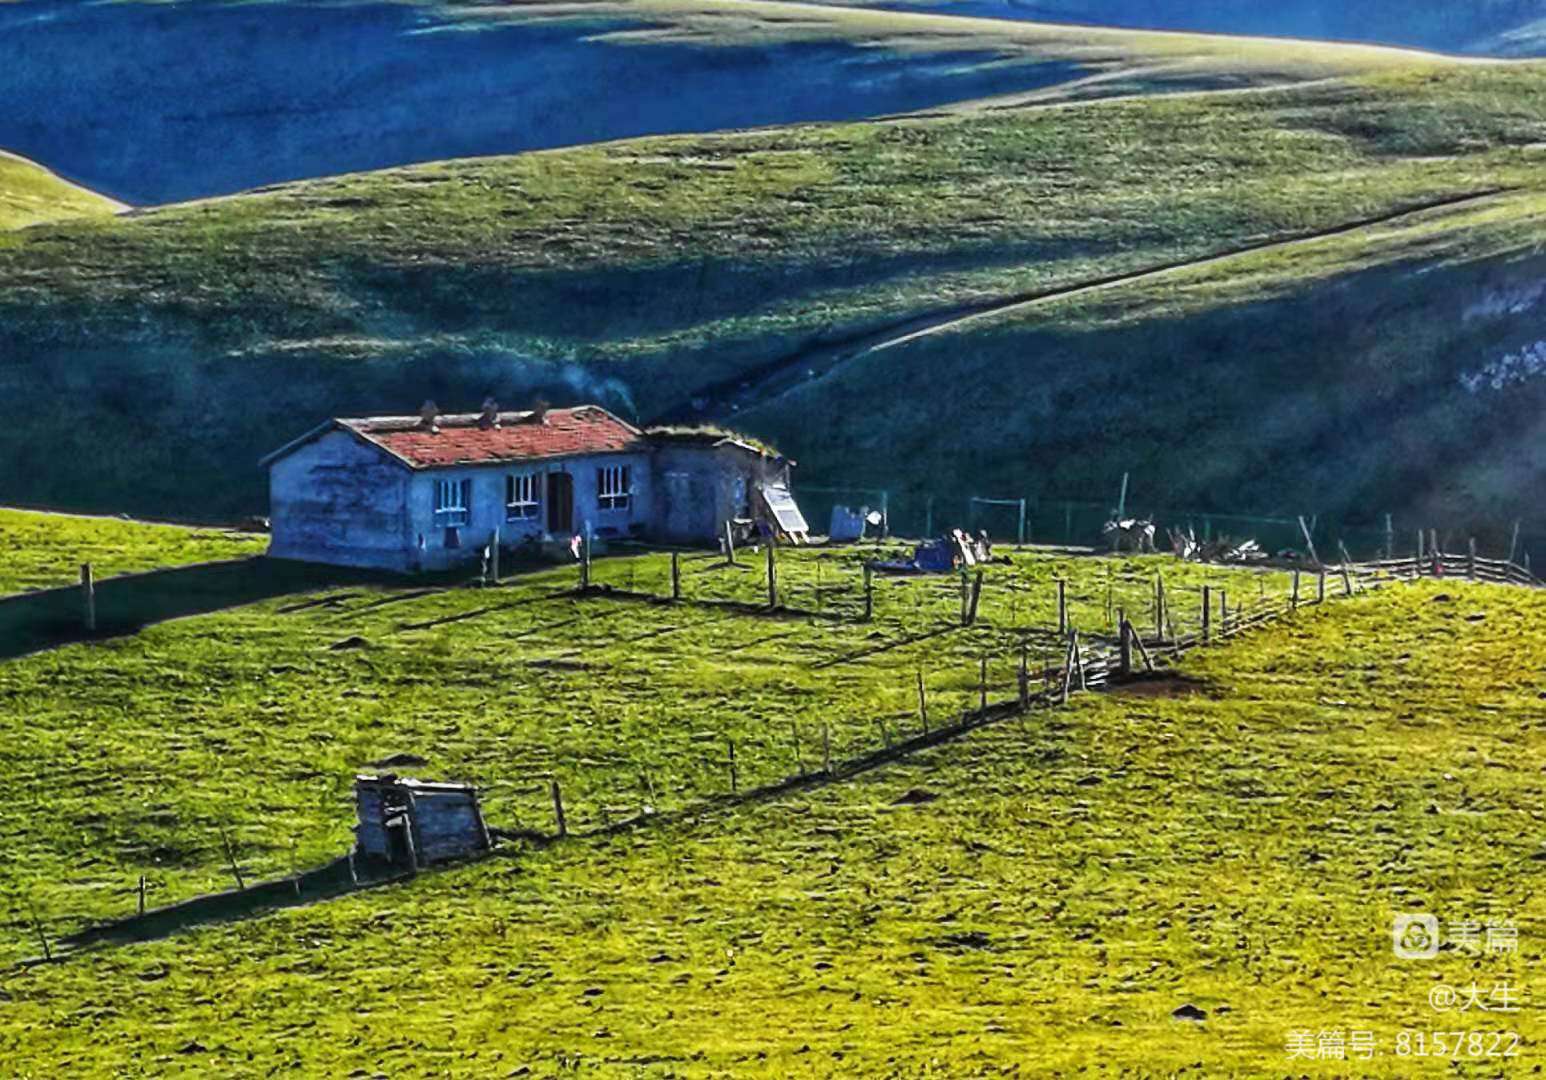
{"points": [[1025, 675], [1293, 600], [1159, 607], [971, 615], [558, 808], [585, 562], [772, 577], [1320, 586], [1207, 613], [923, 703], [1347, 581], [37, 926], [1062, 607], [676, 576], [729, 545], [88, 598], [869, 592], [230, 855], [1125, 648]]}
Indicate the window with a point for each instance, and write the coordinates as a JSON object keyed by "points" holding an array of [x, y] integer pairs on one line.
{"points": [[451, 499], [521, 497], [612, 490]]}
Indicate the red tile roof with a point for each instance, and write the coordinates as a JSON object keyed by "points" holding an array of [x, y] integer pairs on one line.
{"points": [[462, 440]]}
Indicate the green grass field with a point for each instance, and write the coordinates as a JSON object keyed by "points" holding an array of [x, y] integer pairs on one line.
{"points": [[31, 195], [642, 273], [1035, 898], [42, 551]]}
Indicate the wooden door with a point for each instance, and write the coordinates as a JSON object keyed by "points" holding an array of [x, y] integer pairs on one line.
{"points": [[560, 495]]}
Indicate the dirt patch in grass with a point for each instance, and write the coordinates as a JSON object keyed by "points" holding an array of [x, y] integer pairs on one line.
{"points": [[1160, 684]]}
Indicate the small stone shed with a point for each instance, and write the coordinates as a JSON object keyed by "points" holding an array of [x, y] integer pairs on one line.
{"points": [[410, 824]]}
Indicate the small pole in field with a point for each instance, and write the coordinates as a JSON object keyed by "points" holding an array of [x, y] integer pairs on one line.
{"points": [[1125, 648], [923, 703], [493, 554], [1320, 586], [772, 577], [585, 562], [88, 598], [826, 748], [1293, 599], [1347, 581], [869, 592], [971, 615], [142, 895], [1025, 675], [1062, 607], [230, 855], [37, 925], [1207, 613], [558, 808], [734, 780], [729, 545], [1159, 607], [676, 576]]}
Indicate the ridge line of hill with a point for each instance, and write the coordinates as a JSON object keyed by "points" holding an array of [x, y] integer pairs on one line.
{"points": [[770, 380]]}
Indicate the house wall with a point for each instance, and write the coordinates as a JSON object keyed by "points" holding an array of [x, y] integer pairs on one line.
{"points": [[447, 824], [335, 500], [699, 488], [429, 541]]}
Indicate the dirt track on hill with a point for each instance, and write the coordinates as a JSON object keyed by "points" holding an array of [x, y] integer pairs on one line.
{"points": [[720, 401]]}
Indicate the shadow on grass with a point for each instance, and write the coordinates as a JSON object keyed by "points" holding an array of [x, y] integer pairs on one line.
{"points": [[43, 620]]}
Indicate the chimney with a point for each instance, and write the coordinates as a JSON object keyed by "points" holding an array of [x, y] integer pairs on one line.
{"points": [[489, 418], [539, 412], [429, 416]]}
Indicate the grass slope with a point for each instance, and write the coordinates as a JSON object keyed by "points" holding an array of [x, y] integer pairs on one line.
{"points": [[136, 751], [31, 195], [41, 550], [643, 272], [1077, 879], [157, 103]]}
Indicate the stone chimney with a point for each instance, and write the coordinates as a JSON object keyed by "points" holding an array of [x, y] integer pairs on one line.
{"points": [[489, 417], [429, 416]]}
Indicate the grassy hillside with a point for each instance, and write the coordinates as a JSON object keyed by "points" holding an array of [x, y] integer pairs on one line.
{"points": [[1490, 27], [653, 273], [162, 102], [30, 195], [163, 733], [1040, 896], [40, 551]]}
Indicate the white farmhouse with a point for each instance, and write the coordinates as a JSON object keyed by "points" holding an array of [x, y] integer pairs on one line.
{"points": [[427, 492]]}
